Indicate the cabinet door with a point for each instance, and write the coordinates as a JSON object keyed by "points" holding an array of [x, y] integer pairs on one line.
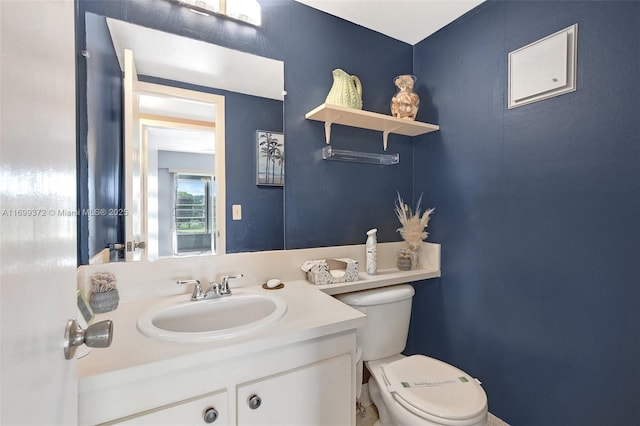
{"points": [[193, 411], [316, 394]]}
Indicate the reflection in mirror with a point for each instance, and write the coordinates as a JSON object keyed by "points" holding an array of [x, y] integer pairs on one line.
{"points": [[152, 111], [248, 11], [180, 138], [252, 88], [192, 222]]}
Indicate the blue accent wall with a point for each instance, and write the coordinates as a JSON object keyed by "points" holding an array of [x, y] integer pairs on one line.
{"points": [[99, 137], [262, 224], [538, 214], [333, 203]]}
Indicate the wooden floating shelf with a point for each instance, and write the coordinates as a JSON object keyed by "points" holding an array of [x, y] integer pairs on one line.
{"points": [[334, 114]]}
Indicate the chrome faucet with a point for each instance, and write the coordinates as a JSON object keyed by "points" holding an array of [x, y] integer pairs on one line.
{"points": [[224, 288], [199, 293], [215, 289]]}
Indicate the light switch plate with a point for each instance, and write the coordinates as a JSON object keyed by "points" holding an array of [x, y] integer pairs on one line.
{"points": [[237, 211]]}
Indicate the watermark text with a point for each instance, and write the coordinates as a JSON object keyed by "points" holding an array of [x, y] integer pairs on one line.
{"points": [[62, 212]]}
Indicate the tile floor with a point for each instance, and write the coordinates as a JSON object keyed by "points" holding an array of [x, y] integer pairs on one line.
{"points": [[369, 418]]}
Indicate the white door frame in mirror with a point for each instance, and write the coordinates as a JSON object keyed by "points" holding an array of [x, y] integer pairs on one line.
{"points": [[134, 186], [177, 130], [214, 124]]}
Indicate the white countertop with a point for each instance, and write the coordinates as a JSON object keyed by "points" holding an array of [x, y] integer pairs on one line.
{"points": [[311, 310], [132, 356]]}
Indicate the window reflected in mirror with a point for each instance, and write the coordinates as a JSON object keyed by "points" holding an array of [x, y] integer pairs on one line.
{"points": [[193, 219]]}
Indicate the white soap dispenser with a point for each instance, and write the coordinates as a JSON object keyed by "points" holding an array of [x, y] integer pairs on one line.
{"points": [[372, 251]]}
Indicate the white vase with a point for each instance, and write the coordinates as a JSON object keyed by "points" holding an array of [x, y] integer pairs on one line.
{"points": [[372, 252]]}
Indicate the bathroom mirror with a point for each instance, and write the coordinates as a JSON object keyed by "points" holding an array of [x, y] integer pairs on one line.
{"points": [[252, 88]]}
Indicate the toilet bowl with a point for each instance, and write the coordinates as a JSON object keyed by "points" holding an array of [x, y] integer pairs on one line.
{"points": [[419, 390], [410, 390]]}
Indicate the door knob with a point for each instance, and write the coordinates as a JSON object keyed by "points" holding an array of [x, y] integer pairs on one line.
{"points": [[98, 335]]}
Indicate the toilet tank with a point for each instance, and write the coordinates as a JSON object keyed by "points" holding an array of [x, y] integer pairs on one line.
{"points": [[388, 311]]}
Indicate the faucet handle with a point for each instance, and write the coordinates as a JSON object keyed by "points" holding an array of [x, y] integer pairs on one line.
{"points": [[224, 288], [228, 277], [197, 289]]}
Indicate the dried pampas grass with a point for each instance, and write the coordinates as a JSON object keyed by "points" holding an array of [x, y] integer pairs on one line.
{"points": [[413, 223]]}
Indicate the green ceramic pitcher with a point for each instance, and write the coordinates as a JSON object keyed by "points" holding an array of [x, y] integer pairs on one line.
{"points": [[346, 90]]}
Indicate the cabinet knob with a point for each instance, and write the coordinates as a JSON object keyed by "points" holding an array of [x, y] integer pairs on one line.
{"points": [[210, 415], [254, 401]]}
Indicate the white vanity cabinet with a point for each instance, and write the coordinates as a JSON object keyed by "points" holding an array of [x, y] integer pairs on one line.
{"points": [[311, 382], [315, 394]]}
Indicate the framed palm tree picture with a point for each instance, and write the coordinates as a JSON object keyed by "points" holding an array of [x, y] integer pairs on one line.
{"points": [[269, 158]]}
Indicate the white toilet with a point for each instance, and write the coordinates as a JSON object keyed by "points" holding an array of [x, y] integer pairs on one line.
{"points": [[414, 390]]}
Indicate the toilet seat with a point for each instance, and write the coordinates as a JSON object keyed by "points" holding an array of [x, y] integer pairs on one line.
{"points": [[434, 390]]}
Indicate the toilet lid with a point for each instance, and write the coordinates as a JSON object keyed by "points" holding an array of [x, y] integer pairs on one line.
{"points": [[429, 387]]}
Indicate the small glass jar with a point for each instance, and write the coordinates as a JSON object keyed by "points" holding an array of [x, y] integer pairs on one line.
{"points": [[405, 103], [404, 260]]}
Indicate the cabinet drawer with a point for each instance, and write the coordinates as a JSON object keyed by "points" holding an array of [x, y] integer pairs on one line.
{"points": [[183, 413]]}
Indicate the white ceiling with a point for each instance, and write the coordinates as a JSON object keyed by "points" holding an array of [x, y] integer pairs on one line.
{"points": [[181, 140], [173, 57], [410, 21]]}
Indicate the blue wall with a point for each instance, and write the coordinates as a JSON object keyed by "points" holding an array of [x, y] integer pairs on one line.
{"points": [[262, 224], [100, 138], [329, 203], [538, 213]]}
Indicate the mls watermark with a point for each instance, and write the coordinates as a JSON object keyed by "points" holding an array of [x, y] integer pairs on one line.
{"points": [[63, 212]]}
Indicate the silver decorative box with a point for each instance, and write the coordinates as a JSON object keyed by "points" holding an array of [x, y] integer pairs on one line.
{"points": [[331, 271]]}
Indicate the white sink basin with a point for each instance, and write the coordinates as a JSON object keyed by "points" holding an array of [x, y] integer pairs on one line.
{"points": [[181, 320]]}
